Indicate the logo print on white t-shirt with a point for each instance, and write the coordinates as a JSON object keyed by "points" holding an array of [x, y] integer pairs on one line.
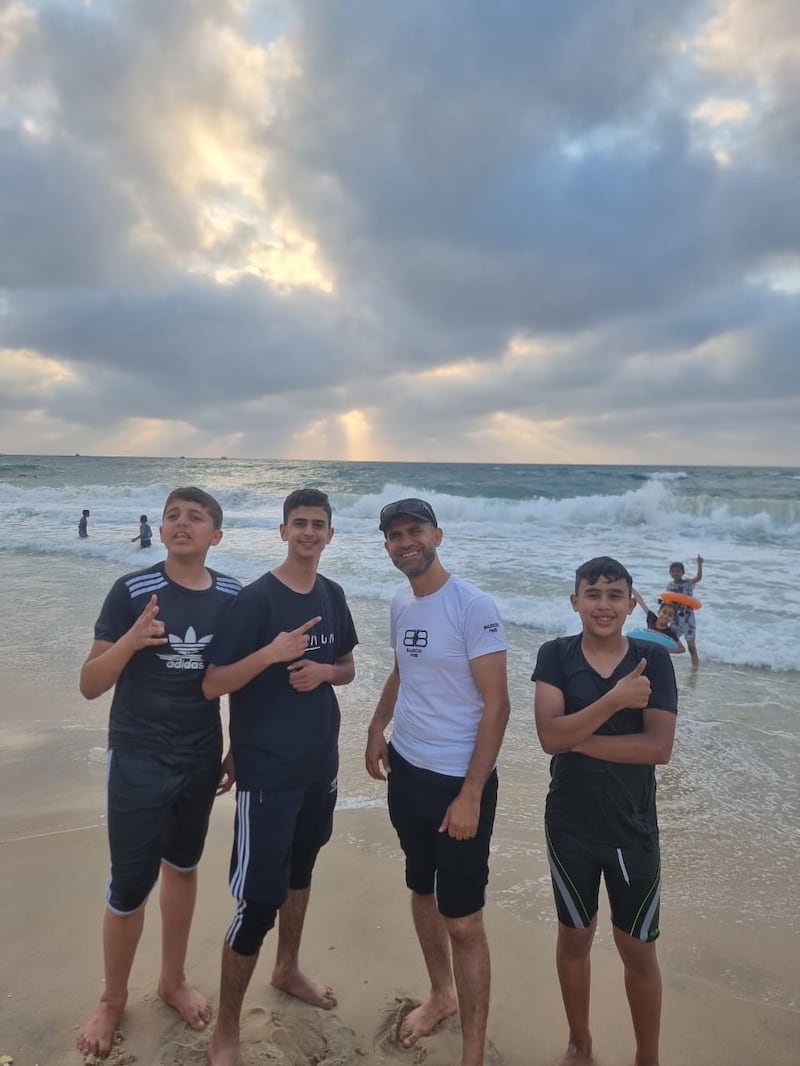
{"points": [[414, 640]]}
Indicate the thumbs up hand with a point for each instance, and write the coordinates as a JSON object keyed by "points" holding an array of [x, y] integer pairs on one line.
{"points": [[634, 689]]}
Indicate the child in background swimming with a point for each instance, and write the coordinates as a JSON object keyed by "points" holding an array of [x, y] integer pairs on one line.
{"points": [[145, 534], [662, 622], [684, 619]]}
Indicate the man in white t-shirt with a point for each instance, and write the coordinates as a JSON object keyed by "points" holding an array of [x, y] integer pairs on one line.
{"points": [[448, 698]]}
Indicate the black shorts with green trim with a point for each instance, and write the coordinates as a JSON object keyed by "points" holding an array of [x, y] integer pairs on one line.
{"points": [[632, 876]]}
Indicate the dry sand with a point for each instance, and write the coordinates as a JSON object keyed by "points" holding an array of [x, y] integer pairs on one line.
{"points": [[358, 938]]}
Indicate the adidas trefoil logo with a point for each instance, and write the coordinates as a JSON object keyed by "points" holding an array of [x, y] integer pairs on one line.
{"points": [[189, 651]]}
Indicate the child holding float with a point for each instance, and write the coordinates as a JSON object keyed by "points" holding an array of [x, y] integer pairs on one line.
{"points": [[680, 591], [660, 625]]}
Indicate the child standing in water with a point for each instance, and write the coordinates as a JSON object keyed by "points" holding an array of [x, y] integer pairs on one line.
{"points": [[684, 623], [145, 534], [83, 522]]}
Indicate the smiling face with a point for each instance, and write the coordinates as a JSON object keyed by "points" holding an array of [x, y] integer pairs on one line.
{"points": [[603, 606], [666, 615], [307, 532], [188, 528], [411, 544]]}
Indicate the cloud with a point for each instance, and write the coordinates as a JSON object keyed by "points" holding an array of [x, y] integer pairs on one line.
{"points": [[391, 231]]}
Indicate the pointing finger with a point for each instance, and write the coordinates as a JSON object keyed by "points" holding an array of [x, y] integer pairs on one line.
{"points": [[308, 625]]}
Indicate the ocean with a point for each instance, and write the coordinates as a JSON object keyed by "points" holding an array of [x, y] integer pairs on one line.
{"points": [[729, 801]]}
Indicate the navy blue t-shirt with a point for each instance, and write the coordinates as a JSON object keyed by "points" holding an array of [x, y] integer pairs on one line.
{"points": [[604, 802], [158, 701], [280, 736]]}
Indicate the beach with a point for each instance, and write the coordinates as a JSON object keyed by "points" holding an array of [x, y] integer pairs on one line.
{"points": [[359, 939], [729, 800]]}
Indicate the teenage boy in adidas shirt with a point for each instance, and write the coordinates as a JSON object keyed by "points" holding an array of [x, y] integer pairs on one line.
{"points": [[287, 642], [605, 709], [165, 749]]}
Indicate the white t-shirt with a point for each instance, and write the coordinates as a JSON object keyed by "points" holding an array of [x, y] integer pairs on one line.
{"points": [[439, 706]]}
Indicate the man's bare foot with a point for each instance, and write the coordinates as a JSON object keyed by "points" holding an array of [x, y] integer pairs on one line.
{"points": [[224, 1050], [297, 984], [578, 1055], [96, 1036], [192, 1005], [422, 1020]]}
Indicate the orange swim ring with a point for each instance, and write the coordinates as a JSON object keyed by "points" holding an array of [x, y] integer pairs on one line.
{"points": [[685, 601]]}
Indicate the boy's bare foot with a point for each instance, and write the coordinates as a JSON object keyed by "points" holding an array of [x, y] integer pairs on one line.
{"points": [[297, 984], [577, 1055], [224, 1051], [96, 1036], [192, 1005], [422, 1020]]}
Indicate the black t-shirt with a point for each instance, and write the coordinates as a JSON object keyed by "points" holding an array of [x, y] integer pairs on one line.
{"points": [[606, 802], [158, 701], [280, 736]]}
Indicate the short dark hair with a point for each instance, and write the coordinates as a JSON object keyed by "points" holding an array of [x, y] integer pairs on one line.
{"points": [[602, 566], [679, 566], [142, 517], [86, 512], [191, 494], [668, 603], [307, 498]]}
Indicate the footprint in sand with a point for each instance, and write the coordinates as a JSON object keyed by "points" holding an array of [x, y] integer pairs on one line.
{"points": [[298, 1035], [443, 1046]]}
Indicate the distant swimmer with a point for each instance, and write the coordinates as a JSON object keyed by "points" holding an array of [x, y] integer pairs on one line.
{"points": [[145, 534], [83, 522]]}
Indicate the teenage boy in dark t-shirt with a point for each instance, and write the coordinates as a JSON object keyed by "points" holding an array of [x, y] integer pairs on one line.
{"points": [[605, 710], [165, 747], [287, 642]]}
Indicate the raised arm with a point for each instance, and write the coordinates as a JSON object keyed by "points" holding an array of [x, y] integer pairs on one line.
{"points": [[653, 746], [285, 648], [491, 678], [559, 731], [107, 659], [640, 600], [699, 575], [376, 756]]}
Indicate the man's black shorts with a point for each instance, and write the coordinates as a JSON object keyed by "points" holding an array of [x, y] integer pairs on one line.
{"points": [[156, 812], [455, 871]]}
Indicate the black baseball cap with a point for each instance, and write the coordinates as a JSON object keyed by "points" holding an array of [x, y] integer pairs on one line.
{"points": [[413, 508]]}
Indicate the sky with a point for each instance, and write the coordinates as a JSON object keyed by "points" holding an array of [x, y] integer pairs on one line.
{"points": [[456, 231]]}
